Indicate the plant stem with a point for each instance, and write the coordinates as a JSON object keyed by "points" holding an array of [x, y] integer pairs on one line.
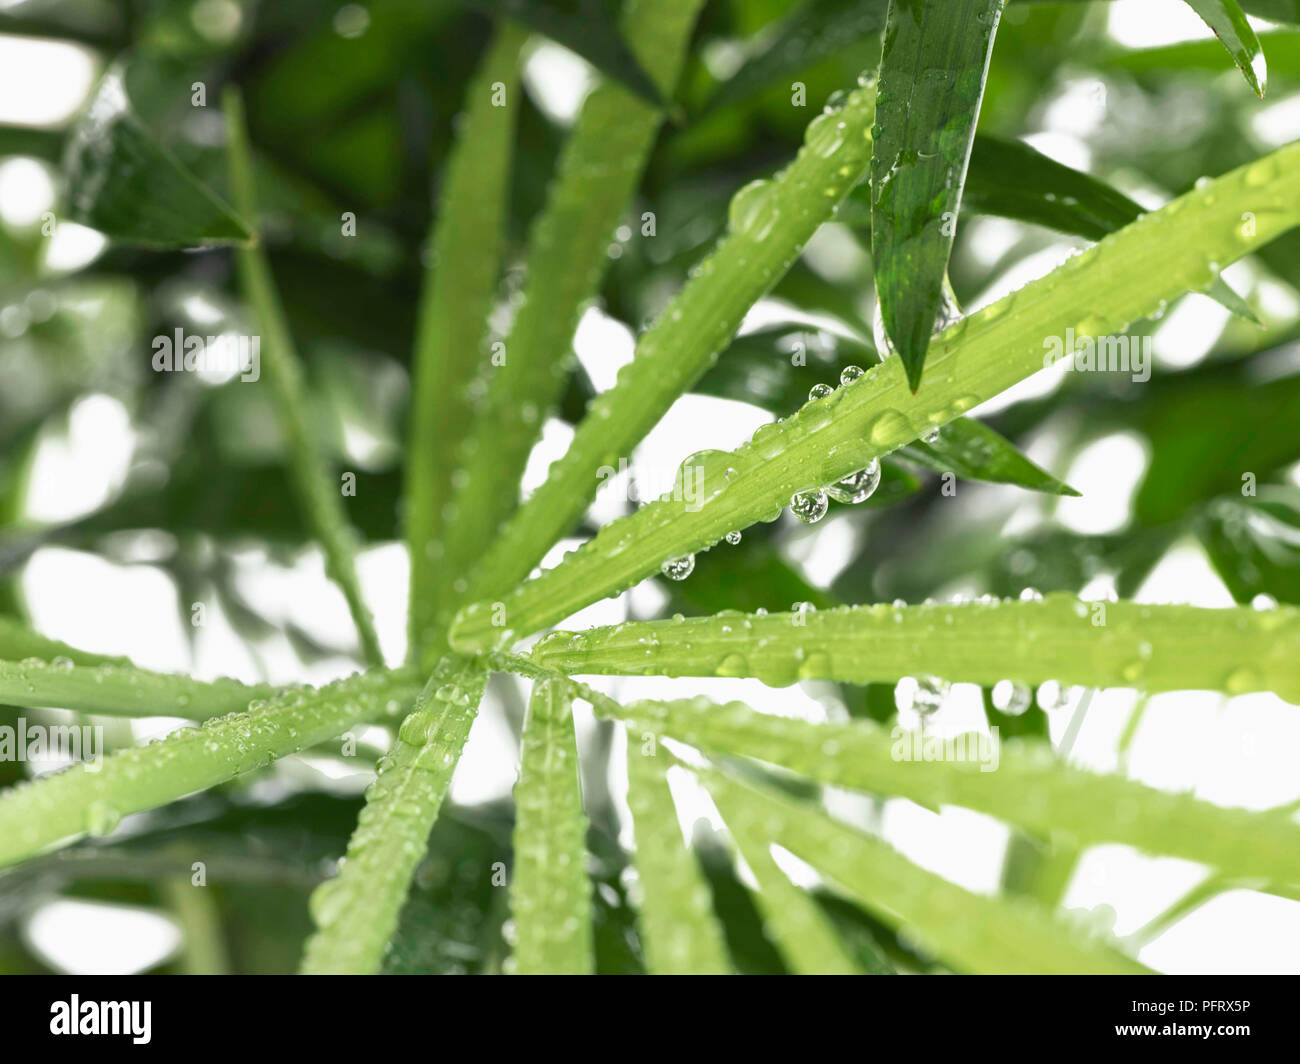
{"points": [[320, 497]]}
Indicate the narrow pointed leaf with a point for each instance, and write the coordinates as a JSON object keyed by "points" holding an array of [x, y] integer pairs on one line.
{"points": [[1233, 29], [456, 300], [1020, 783], [568, 253], [1106, 644], [357, 912], [971, 932], [679, 932], [19, 642], [550, 891], [973, 451], [587, 27], [1126, 276], [771, 221], [932, 73], [93, 798], [122, 690], [124, 182], [813, 31], [320, 496], [794, 920], [1009, 179]]}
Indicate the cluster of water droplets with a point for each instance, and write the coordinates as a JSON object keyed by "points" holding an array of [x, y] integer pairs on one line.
{"points": [[811, 506]]}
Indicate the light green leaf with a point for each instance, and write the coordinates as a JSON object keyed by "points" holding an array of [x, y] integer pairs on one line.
{"points": [[92, 798], [1019, 782], [455, 302], [1102, 644], [795, 922], [968, 931], [550, 892], [357, 911], [770, 223], [568, 254], [122, 690], [1126, 276], [679, 932]]}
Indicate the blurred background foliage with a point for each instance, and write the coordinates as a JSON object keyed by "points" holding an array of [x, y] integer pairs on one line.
{"points": [[351, 108]]}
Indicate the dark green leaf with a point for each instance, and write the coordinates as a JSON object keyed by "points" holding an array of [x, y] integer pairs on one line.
{"points": [[1254, 543], [128, 185], [1230, 25], [814, 31], [974, 451], [932, 73], [588, 27]]}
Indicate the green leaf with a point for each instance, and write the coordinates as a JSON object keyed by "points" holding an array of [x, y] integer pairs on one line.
{"points": [[815, 30], [968, 931], [587, 27], [122, 690], [357, 912], [1126, 276], [1231, 26], [1009, 179], [568, 254], [794, 920], [550, 892], [932, 73], [18, 642], [1101, 644], [122, 181], [92, 798], [1021, 783], [1254, 543], [679, 933], [770, 223], [972, 450], [756, 369], [318, 493], [455, 303]]}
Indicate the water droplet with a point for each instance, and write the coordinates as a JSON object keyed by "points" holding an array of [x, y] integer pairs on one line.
{"points": [[1031, 594], [825, 134], [1011, 698], [819, 391], [850, 373], [857, 487], [923, 695], [809, 506], [753, 210], [679, 568], [102, 818], [930, 435], [733, 538]]}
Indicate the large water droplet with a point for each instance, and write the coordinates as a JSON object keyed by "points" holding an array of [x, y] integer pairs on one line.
{"points": [[809, 506], [850, 373], [753, 210], [857, 487], [819, 391], [679, 568]]}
